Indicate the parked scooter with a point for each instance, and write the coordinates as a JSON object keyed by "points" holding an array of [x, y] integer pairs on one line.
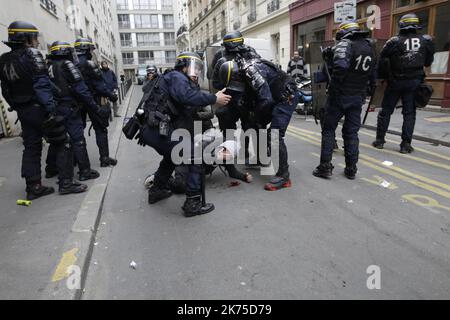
{"points": [[304, 106]]}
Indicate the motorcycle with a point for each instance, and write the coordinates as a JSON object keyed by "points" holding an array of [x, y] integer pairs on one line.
{"points": [[304, 106]]}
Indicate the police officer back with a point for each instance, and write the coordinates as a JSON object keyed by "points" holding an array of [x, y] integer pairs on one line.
{"points": [[174, 99], [94, 80], [353, 70], [27, 88], [404, 57], [71, 93]]}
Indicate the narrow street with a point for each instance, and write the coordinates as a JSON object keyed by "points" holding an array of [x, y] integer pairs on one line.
{"points": [[314, 240]]}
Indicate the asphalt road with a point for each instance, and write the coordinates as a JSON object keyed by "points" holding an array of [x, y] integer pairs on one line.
{"points": [[314, 240]]}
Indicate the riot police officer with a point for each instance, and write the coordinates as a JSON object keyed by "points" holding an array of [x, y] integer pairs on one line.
{"points": [[406, 54], [94, 80], [71, 88], [167, 107], [352, 71], [27, 88], [276, 99], [152, 74]]}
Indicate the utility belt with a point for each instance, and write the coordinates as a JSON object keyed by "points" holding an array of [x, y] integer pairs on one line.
{"points": [[157, 119], [402, 74]]}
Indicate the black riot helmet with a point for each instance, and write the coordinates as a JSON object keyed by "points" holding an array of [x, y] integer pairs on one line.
{"points": [[232, 41], [21, 33], [152, 70], [348, 29], [230, 76], [84, 46], [409, 21], [192, 62]]}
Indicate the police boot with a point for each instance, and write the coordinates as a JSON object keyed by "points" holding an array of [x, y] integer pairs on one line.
{"points": [[156, 194], [350, 171], [69, 187], [324, 170], [378, 143], [37, 190], [405, 147], [88, 174], [193, 206], [107, 161], [50, 173]]}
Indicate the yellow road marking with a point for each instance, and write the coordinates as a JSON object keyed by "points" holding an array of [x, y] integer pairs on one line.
{"points": [[394, 168], [412, 181], [426, 161], [438, 119], [68, 259], [424, 201]]}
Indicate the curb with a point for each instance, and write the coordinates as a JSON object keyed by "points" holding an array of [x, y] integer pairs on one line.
{"points": [[79, 246], [415, 137]]}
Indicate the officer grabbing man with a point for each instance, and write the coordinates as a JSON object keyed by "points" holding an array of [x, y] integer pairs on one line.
{"points": [[405, 56], [27, 88], [352, 71], [71, 90], [94, 80], [171, 105]]}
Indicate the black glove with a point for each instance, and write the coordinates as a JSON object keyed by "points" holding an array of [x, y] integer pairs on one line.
{"points": [[113, 98], [140, 141]]}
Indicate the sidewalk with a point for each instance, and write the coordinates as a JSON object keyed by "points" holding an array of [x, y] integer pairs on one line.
{"points": [[431, 126], [53, 231]]}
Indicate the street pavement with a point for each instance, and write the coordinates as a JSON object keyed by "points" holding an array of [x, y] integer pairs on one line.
{"points": [[319, 239]]}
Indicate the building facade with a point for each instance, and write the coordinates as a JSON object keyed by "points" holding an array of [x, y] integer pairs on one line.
{"points": [[147, 34], [313, 20], [63, 20], [183, 39]]}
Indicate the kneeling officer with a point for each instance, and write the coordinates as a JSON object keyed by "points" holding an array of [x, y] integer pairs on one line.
{"points": [[175, 98]]}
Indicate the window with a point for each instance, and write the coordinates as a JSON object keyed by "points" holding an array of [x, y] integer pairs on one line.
{"points": [[128, 58], [146, 57], [148, 39], [125, 40], [145, 4], [122, 4], [171, 56], [49, 6], [404, 3], [441, 39], [124, 21], [168, 21], [146, 21], [169, 38], [166, 5]]}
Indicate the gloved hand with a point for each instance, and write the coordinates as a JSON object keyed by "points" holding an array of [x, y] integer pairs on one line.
{"points": [[140, 141], [114, 98]]}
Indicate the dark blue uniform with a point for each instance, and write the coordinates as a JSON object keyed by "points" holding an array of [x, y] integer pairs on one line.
{"points": [[71, 92], [353, 68], [27, 88], [407, 53], [94, 80], [186, 98]]}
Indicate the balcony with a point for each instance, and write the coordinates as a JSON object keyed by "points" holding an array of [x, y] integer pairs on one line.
{"points": [[126, 43], [251, 17], [124, 25], [128, 61], [236, 25], [272, 6], [121, 6]]}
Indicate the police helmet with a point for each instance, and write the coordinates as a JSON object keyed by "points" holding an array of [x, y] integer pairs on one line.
{"points": [[61, 49], [83, 45], [192, 62], [230, 76], [409, 21], [152, 70], [349, 28], [21, 32], [233, 40]]}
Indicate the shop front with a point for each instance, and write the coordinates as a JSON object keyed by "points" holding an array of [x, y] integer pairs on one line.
{"points": [[313, 20]]}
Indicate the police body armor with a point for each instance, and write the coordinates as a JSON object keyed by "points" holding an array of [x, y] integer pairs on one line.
{"points": [[63, 73], [409, 58], [16, 78], [91, 71], [283, 85]]}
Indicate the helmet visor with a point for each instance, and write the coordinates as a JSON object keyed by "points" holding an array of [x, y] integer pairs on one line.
{"points": [[195, 68]]}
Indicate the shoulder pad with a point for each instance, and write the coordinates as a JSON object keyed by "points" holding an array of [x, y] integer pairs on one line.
{"points": [[94, 69], [74, 73], [427, 37], [370, 41], [37, 60], [394, 39]]}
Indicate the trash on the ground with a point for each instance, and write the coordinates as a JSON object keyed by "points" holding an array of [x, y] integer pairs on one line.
{"points": [[388, 163], [104, 223], [95, 263], [385, 184], [239, 267], [234, 184], [243, 284], [24, 203], [96, 244], [350, 201], [133, 265]]}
